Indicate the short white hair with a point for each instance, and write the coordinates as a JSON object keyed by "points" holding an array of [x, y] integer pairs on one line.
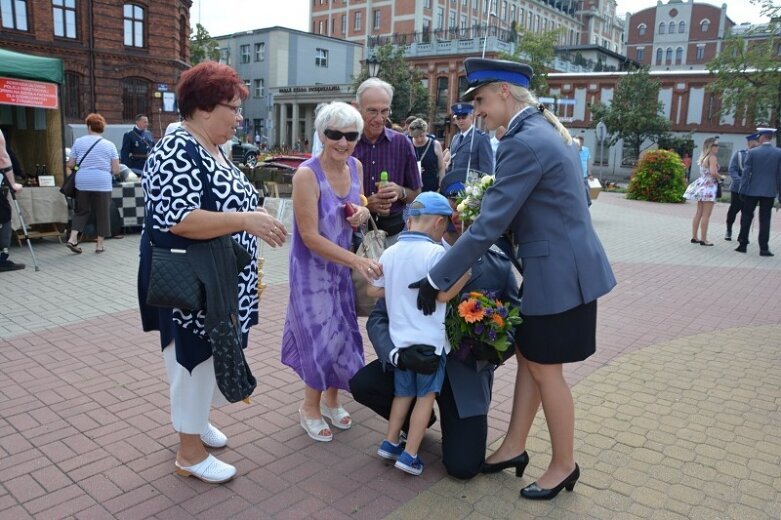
{"points": [[374, 83], [338, 116]]}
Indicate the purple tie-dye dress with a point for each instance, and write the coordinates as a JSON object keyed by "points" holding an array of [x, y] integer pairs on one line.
{"points": [[321, 340]]}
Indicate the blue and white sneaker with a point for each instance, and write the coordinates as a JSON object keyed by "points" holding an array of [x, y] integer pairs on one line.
{"points": [[413, 466], [390, 451]]}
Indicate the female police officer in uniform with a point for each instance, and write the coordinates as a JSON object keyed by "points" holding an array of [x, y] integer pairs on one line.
{"points": [[538, 195]]}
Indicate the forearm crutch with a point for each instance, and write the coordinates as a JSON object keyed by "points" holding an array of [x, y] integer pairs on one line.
{"points": [[24, 227]]}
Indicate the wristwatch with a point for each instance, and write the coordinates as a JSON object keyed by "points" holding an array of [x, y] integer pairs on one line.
{"points": [[403, 194]]}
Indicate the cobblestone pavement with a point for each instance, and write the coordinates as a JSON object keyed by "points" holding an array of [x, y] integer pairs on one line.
{"points": [[677, 413]]}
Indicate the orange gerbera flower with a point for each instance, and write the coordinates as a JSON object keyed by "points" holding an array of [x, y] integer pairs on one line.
{"points": [[475, 294], [498, 320], [469, 310]]}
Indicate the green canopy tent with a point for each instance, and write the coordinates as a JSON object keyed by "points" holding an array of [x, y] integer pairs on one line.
{"points": [[37, 132], [26, 66]]}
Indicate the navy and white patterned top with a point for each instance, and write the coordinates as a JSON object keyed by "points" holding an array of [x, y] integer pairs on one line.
{"points": [[172, 189]]}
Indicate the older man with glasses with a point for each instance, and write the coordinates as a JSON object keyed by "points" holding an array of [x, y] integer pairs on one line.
{"points": [[381, 149]]}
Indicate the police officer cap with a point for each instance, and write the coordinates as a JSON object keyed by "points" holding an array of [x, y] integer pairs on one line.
{"points": [[766, 131], [752, 137], [453, 182], [481, 71], [462, 109]]}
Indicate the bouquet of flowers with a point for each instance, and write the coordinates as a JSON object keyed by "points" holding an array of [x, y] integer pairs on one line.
{"points": [[481, 322], [468, 202]]}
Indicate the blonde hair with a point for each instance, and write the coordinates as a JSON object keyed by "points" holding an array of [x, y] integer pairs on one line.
{"points": [[526, 98], [706, 149]]}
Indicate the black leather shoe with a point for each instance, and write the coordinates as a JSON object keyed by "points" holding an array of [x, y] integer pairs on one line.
{"points": [[694, 241], [766, 252], [535, 492], [728, 236], [519, 463], [740, 249]]}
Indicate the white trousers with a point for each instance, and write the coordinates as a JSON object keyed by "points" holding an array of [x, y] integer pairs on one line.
{"points": [[192, 395]]}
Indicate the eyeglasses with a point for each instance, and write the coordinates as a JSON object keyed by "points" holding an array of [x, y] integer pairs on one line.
{"points": [[236, 110], [373, 112], [336, 135]]}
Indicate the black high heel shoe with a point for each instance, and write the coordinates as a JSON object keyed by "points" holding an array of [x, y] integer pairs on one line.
{"points": [[519, 463], [535, 492]]}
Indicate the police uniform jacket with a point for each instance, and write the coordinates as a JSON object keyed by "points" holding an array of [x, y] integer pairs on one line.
{"points": [[470, 380], [136, 145], [762, 172], [736, 169], [538, 195], [481, 152]]}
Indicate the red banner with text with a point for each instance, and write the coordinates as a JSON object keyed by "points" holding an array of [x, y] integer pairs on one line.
{"points": [[26, 93]]}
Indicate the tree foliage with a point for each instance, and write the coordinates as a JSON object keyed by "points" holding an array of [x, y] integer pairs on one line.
{"points": [[634, 114], [410, 96], [203, 46], [536, 50], [748, 78], [660, 176]]}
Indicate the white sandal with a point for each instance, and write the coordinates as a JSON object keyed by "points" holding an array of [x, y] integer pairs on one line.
{"points": [[211, 470], [336, 415], [313, 427], [214, 438]]}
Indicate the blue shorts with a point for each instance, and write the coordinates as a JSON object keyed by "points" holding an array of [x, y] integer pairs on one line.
{"points": [[411, 384]]}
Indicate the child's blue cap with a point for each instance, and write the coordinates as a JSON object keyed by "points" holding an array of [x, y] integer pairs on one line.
{"points": [[429, 203]]}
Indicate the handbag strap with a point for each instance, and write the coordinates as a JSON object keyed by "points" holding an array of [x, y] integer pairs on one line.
{"points": [[363, 237], [78, 164]]}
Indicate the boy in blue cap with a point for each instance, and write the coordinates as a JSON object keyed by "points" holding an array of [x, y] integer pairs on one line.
{"points": [[416, 251]]}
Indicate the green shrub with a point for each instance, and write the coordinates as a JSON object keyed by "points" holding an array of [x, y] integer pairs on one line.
{"points": [[659, 177]]}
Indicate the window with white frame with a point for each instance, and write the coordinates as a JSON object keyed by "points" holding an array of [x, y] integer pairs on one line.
{"points": [[14, 14], [260, 51], [133, 17], [640, 54], [376, 24], [705, 25], [440, 17], [451, 19], [321, 58], [427, 4], [357, 21], [344, 24], [64, 13], [244, 53], [679, 55], [700, 53], [258, 88]]}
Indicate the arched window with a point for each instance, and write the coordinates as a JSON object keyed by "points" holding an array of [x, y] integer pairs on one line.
{"points": [[135, 98], [71, 96], [134, 18], [705, 25], [669, 55], [659, 55], [682, 27], [679, 55], [442, 94], [662, 27], [641, 29], [671, 28]]}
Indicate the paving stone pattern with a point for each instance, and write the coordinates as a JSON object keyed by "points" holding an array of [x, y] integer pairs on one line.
{"points": [[677, 413]]}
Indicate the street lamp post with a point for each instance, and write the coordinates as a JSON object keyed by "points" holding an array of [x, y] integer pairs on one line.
{"points": [[373, 66]]}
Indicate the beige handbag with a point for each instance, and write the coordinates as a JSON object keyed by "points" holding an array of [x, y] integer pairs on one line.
{"points": [[372, 247]]}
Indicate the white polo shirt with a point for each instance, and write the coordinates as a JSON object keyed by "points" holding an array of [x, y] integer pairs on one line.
{"points": [[405, 262]]}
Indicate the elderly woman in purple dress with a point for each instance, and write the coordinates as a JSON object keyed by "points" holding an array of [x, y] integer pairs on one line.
{"points": [[321, 340]]}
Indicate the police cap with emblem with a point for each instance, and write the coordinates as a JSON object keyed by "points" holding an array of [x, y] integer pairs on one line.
{"points": [[462, 109], [481, 71], [766, 131]]}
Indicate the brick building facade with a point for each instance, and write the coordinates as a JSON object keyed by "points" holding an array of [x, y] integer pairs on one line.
{"points": [[677, 35], [118, 55]]}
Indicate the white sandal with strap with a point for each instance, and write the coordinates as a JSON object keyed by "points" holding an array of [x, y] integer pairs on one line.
{"points": [[336, 415], [313, 427]]}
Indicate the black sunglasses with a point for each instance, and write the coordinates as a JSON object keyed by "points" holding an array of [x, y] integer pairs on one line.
{"points": [[336, 135]]}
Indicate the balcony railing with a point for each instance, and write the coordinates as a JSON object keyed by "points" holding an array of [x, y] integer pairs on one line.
{"points": [[444, 35]]}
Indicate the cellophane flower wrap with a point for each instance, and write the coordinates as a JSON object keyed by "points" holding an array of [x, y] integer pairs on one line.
{"points": [[481, 317], [468, 201]]}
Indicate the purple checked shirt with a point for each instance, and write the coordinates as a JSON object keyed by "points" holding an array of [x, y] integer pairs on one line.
{"points": [[394, 153]]}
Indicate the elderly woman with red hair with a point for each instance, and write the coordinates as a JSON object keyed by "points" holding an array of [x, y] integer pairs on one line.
{"points": [[193, 193]]}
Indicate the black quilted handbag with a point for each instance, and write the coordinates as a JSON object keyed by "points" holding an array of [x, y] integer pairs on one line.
{"points": [[234, 378], [172, 281]]}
